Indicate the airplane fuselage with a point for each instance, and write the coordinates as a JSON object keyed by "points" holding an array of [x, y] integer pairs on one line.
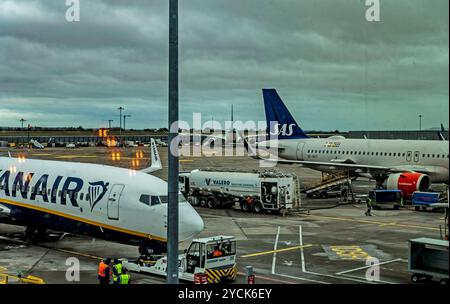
{"points": [[101, 201], [431, 157]]}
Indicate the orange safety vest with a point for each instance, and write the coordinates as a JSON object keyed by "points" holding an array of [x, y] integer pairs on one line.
{"points": [[217, 253], [102, 269]]}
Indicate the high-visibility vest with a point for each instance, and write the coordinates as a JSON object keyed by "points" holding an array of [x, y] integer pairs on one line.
{"points": [[102, 269], [118, 268], [217, 253], [124, 279]]}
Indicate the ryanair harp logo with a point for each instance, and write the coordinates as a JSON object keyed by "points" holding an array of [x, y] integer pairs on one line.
{"points": [[97, 191]]}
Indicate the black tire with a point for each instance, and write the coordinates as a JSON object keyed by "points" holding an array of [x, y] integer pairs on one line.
{"points": [[417, 208], [396, 207], [245, 206], [202, 202], [323, 195], [210, 203], [415, 278], [443, 281], [257, 207]]}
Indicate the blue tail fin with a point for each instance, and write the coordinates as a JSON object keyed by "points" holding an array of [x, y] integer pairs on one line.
{"points": [[279, 120]]}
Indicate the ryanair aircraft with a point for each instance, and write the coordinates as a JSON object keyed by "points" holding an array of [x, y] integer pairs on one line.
{"points": [[100, 201], [407, 165]]}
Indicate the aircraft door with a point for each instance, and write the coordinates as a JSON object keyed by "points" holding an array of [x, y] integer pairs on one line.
{"points": [[416, 156], [300, 151], [113, 202], [408, 156]]}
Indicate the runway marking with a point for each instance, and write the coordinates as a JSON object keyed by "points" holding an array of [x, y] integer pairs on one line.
{"points": [[300, 230], [381, 224], [275, 251], [75, 156], [275, 246], [41, 154], [186, 160], [364, 267]]}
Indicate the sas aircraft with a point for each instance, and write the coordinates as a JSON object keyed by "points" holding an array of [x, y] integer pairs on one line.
{"points": [[407, 165], [105, 202]]}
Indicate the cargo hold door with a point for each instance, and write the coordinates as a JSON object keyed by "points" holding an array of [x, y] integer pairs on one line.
{"points": [[113, 202]]}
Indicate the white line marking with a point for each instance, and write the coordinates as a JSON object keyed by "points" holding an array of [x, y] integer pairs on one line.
{"points": [[364, 267], [322, 274], [302, 255], [299, 278], [274, 260]]}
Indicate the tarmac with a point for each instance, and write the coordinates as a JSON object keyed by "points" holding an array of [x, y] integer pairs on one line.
{"points": [[332, 243]]}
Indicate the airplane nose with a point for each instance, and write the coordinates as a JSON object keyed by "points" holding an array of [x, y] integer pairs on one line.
{"points": [[190, 222]]}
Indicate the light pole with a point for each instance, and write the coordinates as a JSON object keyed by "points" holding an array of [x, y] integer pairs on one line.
{"points": [[22, 121], [172, 184], [120, 117], [420, 122], [125, 121]]}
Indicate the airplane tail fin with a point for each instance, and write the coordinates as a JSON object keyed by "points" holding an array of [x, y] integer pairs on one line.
{"points": [[156, 160], [279, 120]]}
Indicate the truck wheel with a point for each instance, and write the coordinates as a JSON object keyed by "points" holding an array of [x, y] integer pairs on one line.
{"points": [[257, 207], [211, 203], [415, 278], [203, 202], [245, 207]]}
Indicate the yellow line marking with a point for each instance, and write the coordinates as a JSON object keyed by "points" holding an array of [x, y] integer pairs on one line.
{"points": [[374, 222], [79, 219], [186, 160], [273, 251], [41, 154], [75, 156], [79, 253]]}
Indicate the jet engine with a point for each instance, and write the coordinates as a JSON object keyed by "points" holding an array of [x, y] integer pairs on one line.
{"points": [[408, 182]]}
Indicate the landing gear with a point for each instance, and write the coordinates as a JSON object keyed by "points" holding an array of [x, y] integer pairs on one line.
{"points": [[35, 234]]}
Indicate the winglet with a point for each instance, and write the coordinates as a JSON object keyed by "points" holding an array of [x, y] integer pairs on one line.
{"points": [[248, 147], [156, 160]]}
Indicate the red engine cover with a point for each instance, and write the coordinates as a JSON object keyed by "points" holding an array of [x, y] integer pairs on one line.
{"points": [[408, 182]]}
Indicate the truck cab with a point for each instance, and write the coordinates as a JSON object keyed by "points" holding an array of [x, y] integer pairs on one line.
{"points": [[213, 257]]}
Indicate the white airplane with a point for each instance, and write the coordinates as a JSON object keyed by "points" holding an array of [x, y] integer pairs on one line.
{"points": [[100, 201], [407, 165]]}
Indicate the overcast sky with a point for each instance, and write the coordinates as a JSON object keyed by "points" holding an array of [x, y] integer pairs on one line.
{"points": [[333, 69]]}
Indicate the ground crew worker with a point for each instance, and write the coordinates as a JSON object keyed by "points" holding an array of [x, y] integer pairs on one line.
{"points": [[117, 270], [217, 252], [369, 207], [123, 278], [104, 271]]}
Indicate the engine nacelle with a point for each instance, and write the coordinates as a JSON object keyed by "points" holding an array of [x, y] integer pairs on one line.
{"points": [[408, 182]]}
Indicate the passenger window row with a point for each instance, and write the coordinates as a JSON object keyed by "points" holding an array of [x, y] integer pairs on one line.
{"points": [[392, 154]]}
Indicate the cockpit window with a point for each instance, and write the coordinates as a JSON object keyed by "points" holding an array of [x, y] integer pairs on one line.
{"points": [[145, 199], [150, 200]]}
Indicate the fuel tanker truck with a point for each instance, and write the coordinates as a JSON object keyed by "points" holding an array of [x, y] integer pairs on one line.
{"points": [[256, 191]]}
